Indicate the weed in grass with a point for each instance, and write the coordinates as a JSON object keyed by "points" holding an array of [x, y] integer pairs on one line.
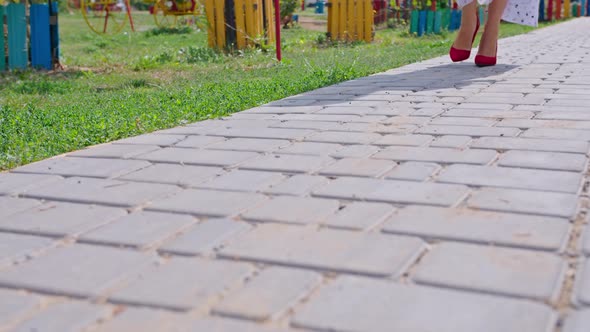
{"points": [[168, 31]]}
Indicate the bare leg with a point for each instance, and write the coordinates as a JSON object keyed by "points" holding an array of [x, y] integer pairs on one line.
{"points": [[489, 39], [468, 24]]}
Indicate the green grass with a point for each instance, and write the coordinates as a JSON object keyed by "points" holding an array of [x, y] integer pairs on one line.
{"points": [[132, 83]]}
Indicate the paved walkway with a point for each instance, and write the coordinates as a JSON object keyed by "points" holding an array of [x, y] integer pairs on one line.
{"points": [[431, 198]]}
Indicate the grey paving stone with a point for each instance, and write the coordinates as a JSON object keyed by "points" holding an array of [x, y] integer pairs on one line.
{"points": [[240, 180], [297, 185], [450, 141], [271, 133], [558, 133], [485, 106], [199, 157], [355, 151], [310, 148], [544, 160], [269, 295], [507, 177], [341, 137], [226, 325], [535, 123], [287, 163], [205, 237], [197, 142], [16, 247], [293, 210], [181, 175], [437, 155], [310, 124], [15, 305], [581, 296], [250, 144], [416, 120], [493, 114], [473, 131], [501, 271], [15, 183], [65, 317], [69, 271], [284, 109], [331, 250], [10, 205], [563, 115], [210, 203], [140, 319], [463, 121], [122, 151], [577, 321], [99, 191], [524, 201], [465, 225], [90, 167], [391, 191], [389, 306], [182, 283], [60, 219], [533, 144], [152, 139], [139, 229], [408, 140], [360, 216], [362, 167], [585, 241], [413, 171]]}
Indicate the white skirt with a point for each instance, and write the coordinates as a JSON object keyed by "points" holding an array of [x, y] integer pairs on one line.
{"points": [[525, 12]]}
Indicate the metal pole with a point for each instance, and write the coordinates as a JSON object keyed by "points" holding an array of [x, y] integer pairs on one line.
{"points": [[278, 29]]}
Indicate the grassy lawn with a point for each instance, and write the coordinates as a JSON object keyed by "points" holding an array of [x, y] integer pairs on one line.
{"points": [[131, 83]]}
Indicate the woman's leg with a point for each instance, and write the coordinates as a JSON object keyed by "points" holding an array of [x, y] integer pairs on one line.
{"points": [[489, 39], [468, 24]]}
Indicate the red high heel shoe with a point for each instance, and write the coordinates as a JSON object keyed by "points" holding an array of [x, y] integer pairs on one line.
{"points": [[460, 55], [486, 61]]}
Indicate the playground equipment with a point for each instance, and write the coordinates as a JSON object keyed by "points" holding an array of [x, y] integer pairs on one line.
{"points": [[43, 38], [106, 16], [239, 24], [173, 13], [350, 20]]}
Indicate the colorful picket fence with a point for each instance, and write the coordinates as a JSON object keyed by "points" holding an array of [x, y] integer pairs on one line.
{"points": [[38, 49], [550, 10], [350, 20]]}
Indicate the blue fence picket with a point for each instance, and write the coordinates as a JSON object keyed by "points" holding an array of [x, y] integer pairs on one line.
{"points": [[40, 36], [421, 22], [2, 47], [17, 36], [54, 30]]}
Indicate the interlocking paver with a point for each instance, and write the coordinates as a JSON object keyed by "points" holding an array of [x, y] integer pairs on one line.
{"points": [[181, 175], [447, 121], [533, 144], [152, 139], [535, 123], [558, 133], [91, 167], [287, 163], [99, 191], [197, 142], [15, 247], [331, 250], [65, 317], [451, 141], [585, 242], [362, 167], [272, 133], [341, 137], [78, 270], [355, 151], [577, 321], [240, 180], [292, 210], [360, 215], [502, 271], [508, 177], [10, 205], [140, 319], [182, 283], [436, 155], [409, 140], [249, 144], [472, 131], [484, 227], [209, 203], [204, 237], [198, 157], [122, 151], [15, 304], [139, 229], [524, 201], [493, 114], [310, 148], [544, 160], [391, 191], [413, 171], [270, 293], [581, 294], [397, 307], [15, 183], [297, 185]]}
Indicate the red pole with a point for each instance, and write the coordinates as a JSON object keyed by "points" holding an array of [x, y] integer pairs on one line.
{"points": [[278, 29]]}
